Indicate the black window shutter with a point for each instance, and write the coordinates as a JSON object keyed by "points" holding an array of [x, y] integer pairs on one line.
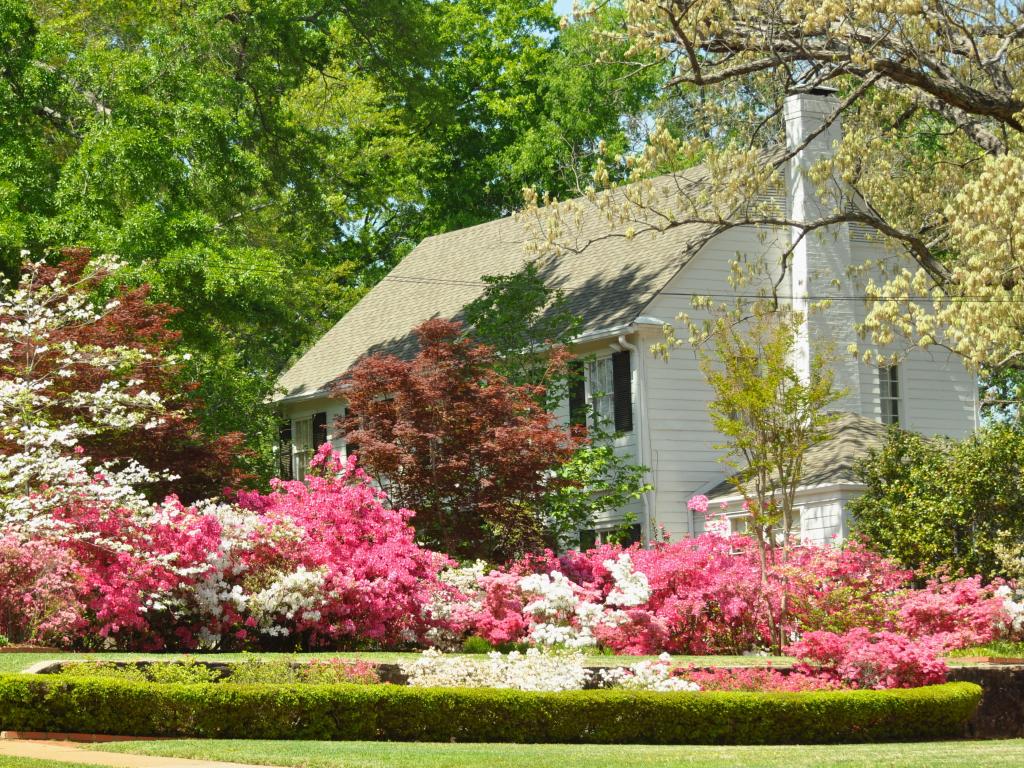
{"points": [[622, 378], [284, 450], [577, 394], [319, 429]]}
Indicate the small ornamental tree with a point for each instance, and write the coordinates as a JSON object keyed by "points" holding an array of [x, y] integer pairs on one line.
{"points": [[85, 368], [447, 435], [770, 415]]}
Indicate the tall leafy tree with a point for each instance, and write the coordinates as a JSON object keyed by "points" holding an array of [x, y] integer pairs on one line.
{"points": [[941, 506]]}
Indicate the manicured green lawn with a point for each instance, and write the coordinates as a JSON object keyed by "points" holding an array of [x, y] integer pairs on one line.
{"points": [[995, 648], [314, 754], [24, 762], [17, 662]]}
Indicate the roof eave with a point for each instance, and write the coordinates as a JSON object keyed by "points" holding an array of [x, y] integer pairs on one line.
{"points": [[841, 485]]}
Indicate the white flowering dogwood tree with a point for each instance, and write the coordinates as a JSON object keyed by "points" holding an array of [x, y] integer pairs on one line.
{"points": [[43, 464]]}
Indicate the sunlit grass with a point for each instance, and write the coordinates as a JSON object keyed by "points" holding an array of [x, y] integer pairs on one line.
{"points": [[314, 754]]}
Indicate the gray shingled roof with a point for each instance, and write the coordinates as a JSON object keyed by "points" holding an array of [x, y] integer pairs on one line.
{"points": [[832, 460], [609, 284]]}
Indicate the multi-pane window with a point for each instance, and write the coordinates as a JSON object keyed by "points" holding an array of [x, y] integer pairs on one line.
{"points": [[302, 446], [595, 537], [795, 528], [889, 393], [740, 525], [601, 390], [743, 525], [603, 387]]}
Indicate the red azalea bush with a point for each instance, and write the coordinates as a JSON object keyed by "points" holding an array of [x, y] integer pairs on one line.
{"points": [[758, 679], [864, 659]]}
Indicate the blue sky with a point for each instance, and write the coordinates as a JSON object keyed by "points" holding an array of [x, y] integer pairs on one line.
{"points": [[563, 7]]}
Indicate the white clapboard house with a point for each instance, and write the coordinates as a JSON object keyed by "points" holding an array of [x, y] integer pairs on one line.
{"points": [[626, 290]]}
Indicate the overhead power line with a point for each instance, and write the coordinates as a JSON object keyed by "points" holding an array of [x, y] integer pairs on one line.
{"points": [[699, 294]]}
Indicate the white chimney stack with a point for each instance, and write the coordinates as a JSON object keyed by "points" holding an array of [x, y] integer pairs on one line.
{"points": [[823, 256], [808, 136]]}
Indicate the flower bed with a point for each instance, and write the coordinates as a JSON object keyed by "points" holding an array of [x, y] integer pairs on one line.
{"points": [[406, 713]]}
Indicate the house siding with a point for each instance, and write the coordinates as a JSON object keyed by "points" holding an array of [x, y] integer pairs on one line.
{"points": [[685, 461], [938, 396]]}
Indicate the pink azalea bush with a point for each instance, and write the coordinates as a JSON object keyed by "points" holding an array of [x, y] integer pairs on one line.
{"points": [[38, 601], [372, 578], [960, 612], [316, 563], [854, 615], [328, 563], [706, 596], [759, 679]]}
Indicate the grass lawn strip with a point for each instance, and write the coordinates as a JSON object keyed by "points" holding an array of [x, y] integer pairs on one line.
{"points": [[24, 762], [319, 754], [18, 662]]}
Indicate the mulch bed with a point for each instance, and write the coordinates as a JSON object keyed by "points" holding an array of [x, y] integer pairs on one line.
{"points": [[28, 649]]}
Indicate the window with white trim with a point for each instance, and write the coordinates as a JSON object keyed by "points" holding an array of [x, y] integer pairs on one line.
{"points": [[743, 525], [302, 447], [601, 390], [795, 528], [740, 525], [889, 393]]}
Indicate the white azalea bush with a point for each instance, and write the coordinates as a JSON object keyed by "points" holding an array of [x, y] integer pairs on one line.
{"points": [[646, 676], [545, 608], [1013, 604], [537, 670]]}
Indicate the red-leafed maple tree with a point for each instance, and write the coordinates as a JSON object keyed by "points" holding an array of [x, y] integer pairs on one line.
{"points": [[204, 464], [449, 437]]}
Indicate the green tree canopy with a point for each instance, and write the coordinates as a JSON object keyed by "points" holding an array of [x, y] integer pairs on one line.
{"points": [[262, 163]]}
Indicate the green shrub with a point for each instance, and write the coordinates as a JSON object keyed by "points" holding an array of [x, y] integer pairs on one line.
{"points": [[4, 641], [476, 644], [937, 505], [247, 672], [185, 672], [401, 713], [104, 669]]}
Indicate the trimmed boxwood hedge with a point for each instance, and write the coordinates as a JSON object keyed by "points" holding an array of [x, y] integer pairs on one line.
{"points": [[401, 713]]}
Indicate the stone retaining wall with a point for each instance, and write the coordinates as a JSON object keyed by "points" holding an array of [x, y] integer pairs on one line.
{"points": [[1001, 714]]}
